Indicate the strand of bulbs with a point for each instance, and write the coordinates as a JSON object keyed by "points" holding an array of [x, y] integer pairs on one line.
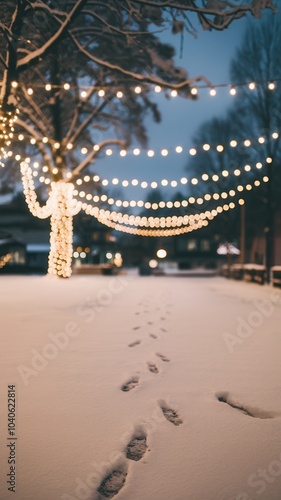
{"points": [[150, 153], [138, 89]]}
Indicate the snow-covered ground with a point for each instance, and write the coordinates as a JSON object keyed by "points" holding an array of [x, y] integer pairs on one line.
{"points": [[186, 371]]}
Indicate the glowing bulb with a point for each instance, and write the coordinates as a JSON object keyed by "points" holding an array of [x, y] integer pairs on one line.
{"points": [[164, 152], [48, 87], [219, 148], [30, 91], [101, 93], [233, 91], [213, 92], [138, 90], [271, 86], [192, 151], [233, 144], [206, 147], [157, 88], [83, 94], [174, 93], [119, 94], [66, 86], [179, 149], [161, 253], [136, 151], [150, 153], [194, 91], [109, 152], [252, 86]]}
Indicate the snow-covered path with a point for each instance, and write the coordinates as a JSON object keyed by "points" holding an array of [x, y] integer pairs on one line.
{"points": [[185, 370]]}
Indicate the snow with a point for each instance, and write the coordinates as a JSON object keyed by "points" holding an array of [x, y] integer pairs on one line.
{"points": [[209, 338]]}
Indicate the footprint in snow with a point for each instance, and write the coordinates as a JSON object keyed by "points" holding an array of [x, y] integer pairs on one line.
{"points": [[152, 368], [162, 357], [133, 344], [137, 447], [224, 397], [113, 482], [170, 414], [131, 384]]}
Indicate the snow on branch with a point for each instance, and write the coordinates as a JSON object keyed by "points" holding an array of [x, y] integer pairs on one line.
{"points": [[36, 54], [137, 76]]}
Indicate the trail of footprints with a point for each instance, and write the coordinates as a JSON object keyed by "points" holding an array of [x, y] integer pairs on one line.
{"points": [[137, 446]]}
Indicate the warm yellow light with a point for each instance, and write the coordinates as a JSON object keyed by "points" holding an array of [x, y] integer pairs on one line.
{"points": [[153, 264]]}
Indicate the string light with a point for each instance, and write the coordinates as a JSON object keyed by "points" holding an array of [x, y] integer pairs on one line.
{"points": [[61, 207], [7, 121], [87, 90], [5, 259], [136, 151], [60, 256], [174, 183]]}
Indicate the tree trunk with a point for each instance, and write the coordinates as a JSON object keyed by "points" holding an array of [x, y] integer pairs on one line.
{"points": [[60, 256]]}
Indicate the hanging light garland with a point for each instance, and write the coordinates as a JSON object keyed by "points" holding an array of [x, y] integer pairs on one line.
{"points": [[164, 152], [102, 90], [7, 122], [165, 232], [171, 204], [143, 184]]}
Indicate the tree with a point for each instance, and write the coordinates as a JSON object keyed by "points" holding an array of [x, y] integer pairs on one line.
{"points": [[259, 61], [63, 47]]}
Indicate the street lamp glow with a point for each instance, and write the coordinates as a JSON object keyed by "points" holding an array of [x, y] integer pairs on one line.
{"points": [[109, 255], [153, 264], [161, 253]]}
